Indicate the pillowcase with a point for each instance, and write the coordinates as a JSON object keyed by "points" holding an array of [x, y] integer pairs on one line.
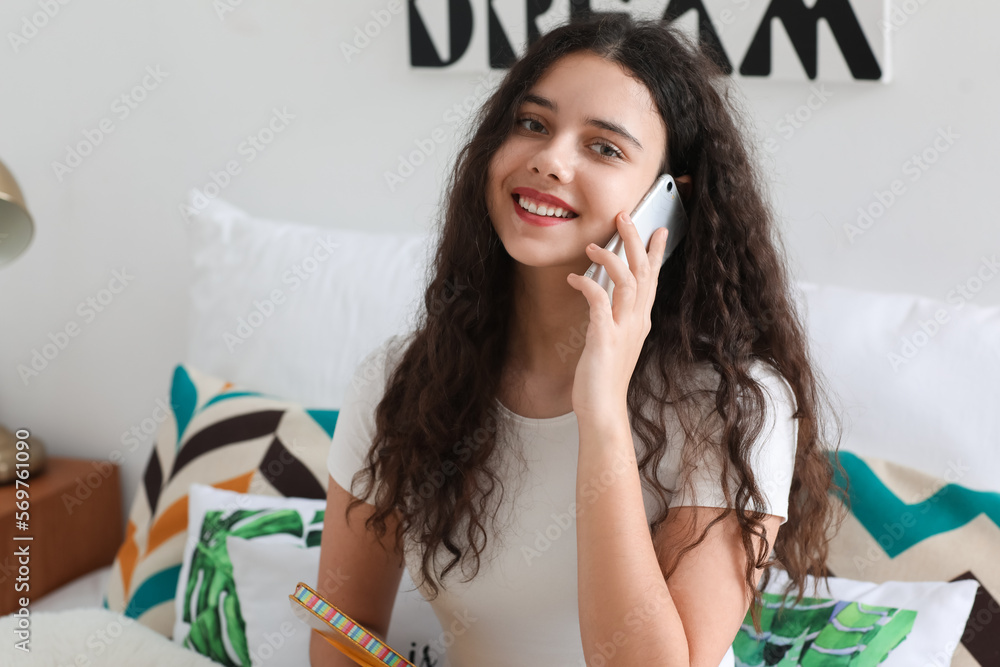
{"points": [[294, 307], [915, 377], [894, 624], [265, 575], [908, 526], [252, 574], [218, 434], [209, 620]]}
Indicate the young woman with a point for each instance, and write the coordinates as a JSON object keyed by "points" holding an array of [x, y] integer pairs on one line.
{"points": [[570, 482]]}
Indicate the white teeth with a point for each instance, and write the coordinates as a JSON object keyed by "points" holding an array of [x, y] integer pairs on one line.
{"points": [[540, 209]]}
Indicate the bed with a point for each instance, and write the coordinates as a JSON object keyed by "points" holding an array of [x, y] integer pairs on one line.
{"points": [[914, 380]]}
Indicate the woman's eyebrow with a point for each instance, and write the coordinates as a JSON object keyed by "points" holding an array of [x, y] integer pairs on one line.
{"points": [[596, 122]]}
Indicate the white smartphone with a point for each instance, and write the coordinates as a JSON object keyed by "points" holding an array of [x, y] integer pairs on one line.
{"points": [[661, 206]]}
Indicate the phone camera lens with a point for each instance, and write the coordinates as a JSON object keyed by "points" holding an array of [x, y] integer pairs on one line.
{"points": [[670, 186]]}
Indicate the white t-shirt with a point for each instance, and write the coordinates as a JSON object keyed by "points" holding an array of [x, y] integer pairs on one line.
{"points": [[524, 597]]}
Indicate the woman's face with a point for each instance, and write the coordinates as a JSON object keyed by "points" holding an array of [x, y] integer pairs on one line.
{"points": [[587, 134]]}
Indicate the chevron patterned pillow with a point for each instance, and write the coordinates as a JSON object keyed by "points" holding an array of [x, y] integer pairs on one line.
{"points": [[905, 525], [219, 435]]}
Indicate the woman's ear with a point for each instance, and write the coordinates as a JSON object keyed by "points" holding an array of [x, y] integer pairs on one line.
{"points": [[684, 186]]}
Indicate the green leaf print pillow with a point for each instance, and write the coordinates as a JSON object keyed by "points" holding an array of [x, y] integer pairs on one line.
{"points": [[856, 624], [209, 620]]}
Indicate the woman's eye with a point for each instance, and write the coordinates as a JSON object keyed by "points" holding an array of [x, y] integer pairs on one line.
{"points": [[614, 152], [529, 120]]}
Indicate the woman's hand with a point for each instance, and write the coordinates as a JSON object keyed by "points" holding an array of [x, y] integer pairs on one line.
{"points": [[616, 333]]}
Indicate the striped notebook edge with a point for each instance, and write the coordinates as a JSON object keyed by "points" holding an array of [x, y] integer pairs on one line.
{"points": [[351, 638]]}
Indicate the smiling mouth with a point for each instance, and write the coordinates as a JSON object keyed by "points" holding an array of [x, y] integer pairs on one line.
{"points": [[551, 211]]}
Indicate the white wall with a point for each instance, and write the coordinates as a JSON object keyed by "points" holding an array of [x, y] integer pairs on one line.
{"points": [[352, 123]]}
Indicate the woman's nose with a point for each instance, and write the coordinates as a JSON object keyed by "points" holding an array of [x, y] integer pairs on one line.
{"points": [[555, 158]]}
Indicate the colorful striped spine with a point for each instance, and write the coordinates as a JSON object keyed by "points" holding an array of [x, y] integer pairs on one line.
{"points": [[348, 627]]}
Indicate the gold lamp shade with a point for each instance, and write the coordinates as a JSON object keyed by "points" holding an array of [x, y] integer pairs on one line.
{"points": [[16, 227]]}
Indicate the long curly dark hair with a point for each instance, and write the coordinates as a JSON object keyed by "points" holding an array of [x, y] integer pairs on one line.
{"points": [[723, 302]]}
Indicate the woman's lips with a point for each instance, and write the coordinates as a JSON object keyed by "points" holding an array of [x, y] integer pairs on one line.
{"points": [[534, 218]]}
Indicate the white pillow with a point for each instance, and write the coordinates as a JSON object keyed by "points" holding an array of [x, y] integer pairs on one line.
{"points": [[413, 620], [916, 377], [202, 499], [265, 576], [933, 411], [942, 608], [266, 573], [292, 308]]}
